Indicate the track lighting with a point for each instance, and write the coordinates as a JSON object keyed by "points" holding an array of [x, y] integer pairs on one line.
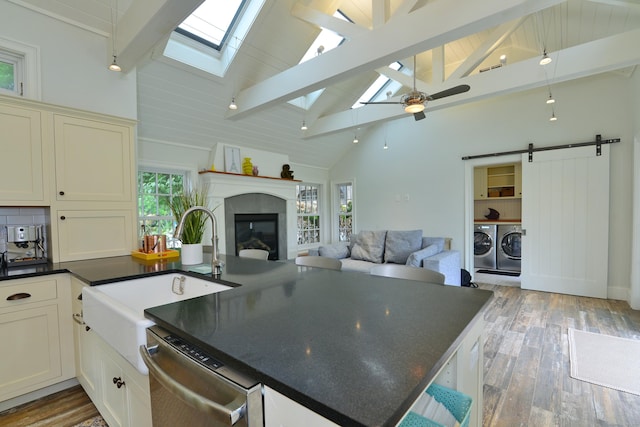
{"points": [[114, 31], [503, 59], [114, 65], [385, 146], [233, 105], [304, 126], [355, 139], [550, 100], [553, 117], [545, 58]]}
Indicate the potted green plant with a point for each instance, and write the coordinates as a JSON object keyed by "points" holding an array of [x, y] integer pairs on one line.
{"points": [[194, 224]]}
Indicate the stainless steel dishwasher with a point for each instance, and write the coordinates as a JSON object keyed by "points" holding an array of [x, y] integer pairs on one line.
{"points": [[190, 388]]}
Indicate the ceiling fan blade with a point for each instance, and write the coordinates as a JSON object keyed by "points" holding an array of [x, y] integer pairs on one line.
{"points": [[381, 102], [448, 92], [419, 116]]}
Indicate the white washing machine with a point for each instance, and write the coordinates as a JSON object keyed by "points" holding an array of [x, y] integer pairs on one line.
{"points": [[509, 249], [484, 246]]}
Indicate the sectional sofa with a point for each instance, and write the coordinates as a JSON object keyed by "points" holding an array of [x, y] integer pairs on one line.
{"points": [[409, 247]]}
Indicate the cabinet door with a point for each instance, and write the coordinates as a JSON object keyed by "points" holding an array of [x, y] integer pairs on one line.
{"points": [[114, 398], [94, 234], [85, 345], [93, 160], [30, 340], [21, 161], [518, 180], [480, 183]]}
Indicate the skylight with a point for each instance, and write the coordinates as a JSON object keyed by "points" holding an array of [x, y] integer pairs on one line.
{"points": [[374, 92], [211, 22]]}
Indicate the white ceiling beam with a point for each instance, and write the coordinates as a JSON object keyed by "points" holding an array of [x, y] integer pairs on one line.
{"points": [[404, 8], [348, 30], [432, 25], [146, 23], [599, 56], [494, 40], [380, 11]]}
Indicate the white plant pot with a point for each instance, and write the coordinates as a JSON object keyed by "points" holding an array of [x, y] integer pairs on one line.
{"points": [[191, 254]]}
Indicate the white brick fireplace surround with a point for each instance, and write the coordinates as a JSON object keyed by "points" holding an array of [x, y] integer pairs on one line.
{"points": [[223, 186]]}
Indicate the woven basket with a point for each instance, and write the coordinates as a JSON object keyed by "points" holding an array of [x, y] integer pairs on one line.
{"points": [[457, 403]]}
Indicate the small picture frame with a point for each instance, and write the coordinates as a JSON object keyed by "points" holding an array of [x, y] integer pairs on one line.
{"points": [[232, 162]]}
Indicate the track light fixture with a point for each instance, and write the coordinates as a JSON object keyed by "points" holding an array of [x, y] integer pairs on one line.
{"points": [[114, 31], [553, 117], [304, 126], [550, 100], [546, 59], [355, 139], [233, 105], [114, 65]]}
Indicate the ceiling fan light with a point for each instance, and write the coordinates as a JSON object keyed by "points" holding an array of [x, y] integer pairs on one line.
{"points": [[414, 108]]}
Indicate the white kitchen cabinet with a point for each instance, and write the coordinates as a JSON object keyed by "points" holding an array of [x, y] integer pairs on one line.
{"points": [[22, 163], [37, 334], [84, 234], [480, 183], [94, 209], [100, 369], [94, 160]]}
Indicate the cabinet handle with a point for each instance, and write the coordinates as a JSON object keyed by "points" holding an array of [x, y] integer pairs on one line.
{"points": [[87, 328], [19, 295], [118, 382], [61, 193], [63, 217]]}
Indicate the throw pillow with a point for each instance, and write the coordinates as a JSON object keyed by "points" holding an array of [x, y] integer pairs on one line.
{"points": [[415, 259], [428, 241], [400, 244], [337, 251], [369, 246]]}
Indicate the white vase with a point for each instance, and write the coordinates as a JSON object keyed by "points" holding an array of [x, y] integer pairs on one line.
{"points": [[191, 254]]}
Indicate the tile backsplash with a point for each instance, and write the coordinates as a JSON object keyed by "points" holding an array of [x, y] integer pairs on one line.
{"points": [[23, 216]]}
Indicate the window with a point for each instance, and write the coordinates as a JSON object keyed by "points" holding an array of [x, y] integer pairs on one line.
{"points": [[345, 211], [155, 191], [308, 210], [211, 22], [10, 73], [375, 91]]}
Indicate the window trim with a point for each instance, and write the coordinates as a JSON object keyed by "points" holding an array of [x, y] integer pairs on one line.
{"points": [[29, 69], [227, 33], [335, 217], [321, 226]]}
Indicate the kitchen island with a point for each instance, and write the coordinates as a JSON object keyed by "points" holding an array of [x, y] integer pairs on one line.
{"points": [[353, 348]]}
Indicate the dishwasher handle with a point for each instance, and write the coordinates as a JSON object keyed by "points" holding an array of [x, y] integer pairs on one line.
{"points": [[229, 413]]}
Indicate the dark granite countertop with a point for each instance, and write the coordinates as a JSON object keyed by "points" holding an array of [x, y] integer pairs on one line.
{"points": [[357, 349]]}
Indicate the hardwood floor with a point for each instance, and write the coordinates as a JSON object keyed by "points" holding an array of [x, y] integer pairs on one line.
{"points": [[526, 370], [526, 375], [63, 409]]}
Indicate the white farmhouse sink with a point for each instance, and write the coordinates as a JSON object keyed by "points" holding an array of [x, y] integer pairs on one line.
{"points": [[115, 311]]}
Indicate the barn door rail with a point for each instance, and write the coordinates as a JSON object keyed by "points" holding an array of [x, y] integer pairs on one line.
{"points": [[530, 149]]}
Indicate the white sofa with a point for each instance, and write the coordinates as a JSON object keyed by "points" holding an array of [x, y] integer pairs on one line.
{"points": [[369, 248]]}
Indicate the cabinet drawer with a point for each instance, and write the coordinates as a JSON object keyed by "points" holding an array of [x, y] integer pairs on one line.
{"points": [[27, 293]]}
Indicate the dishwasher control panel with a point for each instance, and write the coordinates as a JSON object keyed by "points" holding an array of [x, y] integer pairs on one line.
{"points": [[193, 352]]}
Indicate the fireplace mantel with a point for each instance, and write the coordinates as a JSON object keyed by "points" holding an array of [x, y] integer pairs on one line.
{"points": [[222, 185]]}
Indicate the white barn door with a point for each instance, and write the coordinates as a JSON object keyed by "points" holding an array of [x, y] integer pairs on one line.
{"points": [[565, 215]]}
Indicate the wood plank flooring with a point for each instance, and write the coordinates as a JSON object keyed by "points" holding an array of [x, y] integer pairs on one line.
{"points": [[63, 409], [526, 372]]}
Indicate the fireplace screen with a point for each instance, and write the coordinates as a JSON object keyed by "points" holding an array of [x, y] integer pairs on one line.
{"points": [[257, 231]]}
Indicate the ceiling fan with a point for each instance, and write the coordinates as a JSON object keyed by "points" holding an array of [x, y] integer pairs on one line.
{"points": [[414, 101]]}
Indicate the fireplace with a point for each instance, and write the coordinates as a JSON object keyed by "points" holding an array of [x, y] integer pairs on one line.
{"points": [[257, 231]]}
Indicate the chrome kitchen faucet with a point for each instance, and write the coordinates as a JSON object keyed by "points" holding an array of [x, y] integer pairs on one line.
{"points": [[216, 264]]}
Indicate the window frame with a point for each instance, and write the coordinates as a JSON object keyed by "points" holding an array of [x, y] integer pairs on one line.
{"points": [[337, 209], [27, 74], [227, 32], [141, 218], [318, 213]]}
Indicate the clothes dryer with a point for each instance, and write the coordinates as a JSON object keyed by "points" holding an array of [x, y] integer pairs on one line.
{"points": [[509, 249], [484, 246]]}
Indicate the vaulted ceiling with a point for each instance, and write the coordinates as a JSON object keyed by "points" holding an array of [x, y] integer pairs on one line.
{"points": [[454, 41]]}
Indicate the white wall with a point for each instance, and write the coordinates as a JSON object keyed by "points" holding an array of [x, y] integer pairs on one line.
{"points": [[419, 181], [73, 63]]}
